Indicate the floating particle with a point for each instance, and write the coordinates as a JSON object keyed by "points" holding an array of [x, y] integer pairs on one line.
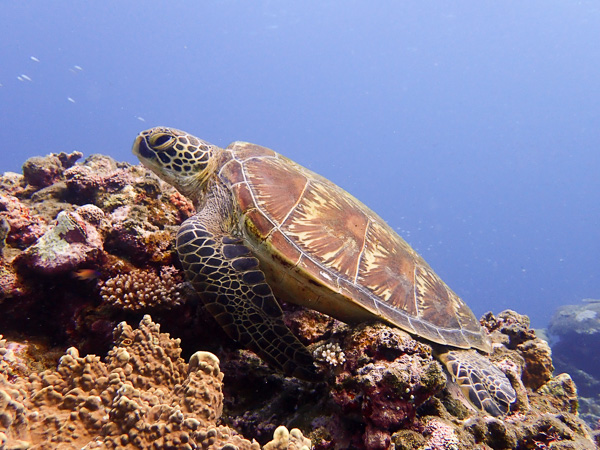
{"points": [[33, 58], [70, 99], [19, 78], [78, 67], [25, 77], [141, 119]]}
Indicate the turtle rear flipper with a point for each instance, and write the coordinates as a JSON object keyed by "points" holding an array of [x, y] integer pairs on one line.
{"points": [[484, 385], [228, 278]]}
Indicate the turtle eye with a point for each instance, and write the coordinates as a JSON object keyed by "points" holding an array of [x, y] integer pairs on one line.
{"points": [[161, 141]]}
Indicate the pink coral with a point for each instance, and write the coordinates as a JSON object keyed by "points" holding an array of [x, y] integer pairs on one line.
{"points": [[9, 282], [82, 181], [379, 384]]}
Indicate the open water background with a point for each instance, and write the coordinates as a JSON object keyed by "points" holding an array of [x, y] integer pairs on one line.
{"points": [[473, 128]]}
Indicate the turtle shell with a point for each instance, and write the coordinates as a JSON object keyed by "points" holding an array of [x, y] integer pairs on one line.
{"points": [[322, 248]]}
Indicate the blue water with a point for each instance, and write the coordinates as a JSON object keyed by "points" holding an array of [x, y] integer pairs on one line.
{"points": [[473, 128]]}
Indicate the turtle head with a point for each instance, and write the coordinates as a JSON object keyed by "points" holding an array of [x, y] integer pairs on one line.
{"points": [[180, 159]]}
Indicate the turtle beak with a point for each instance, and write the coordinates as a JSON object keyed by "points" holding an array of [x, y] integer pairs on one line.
{"points": [[141, 149]]}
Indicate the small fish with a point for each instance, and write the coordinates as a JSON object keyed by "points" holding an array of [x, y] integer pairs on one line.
{"points": [[70, 99], [86, 274], [25, 77], [33, 58]]}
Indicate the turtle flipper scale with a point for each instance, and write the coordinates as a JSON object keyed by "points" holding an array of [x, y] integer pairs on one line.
{"points": [[228, 278], [483, 384]]}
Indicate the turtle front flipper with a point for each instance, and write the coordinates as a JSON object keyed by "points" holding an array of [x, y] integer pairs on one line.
{"points": [[486, 386], [228, 278]]}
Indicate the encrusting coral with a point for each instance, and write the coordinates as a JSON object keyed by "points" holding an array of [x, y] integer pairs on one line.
{"points": [[142, 396], [88, 245]]}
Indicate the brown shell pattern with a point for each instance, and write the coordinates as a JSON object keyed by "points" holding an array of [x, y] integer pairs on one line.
{"points": [[340, 242]]}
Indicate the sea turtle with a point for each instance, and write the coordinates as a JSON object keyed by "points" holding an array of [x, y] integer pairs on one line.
{"points": [[267, 227]]}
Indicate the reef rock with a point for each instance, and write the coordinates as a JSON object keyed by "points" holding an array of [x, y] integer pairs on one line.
{"points": [[575, 331], [70, 243]]}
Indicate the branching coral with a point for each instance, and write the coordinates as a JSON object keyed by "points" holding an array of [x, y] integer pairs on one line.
{"points": [[143, 289], [330, 353]]}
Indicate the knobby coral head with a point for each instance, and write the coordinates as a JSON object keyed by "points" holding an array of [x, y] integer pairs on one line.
{"points": [[142, 396]]}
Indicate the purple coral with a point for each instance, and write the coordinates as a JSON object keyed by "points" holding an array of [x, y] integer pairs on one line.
{"points": [[380, 385]]}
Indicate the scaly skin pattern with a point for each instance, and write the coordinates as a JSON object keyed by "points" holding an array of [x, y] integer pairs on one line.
{"points": [[484, 384], [267, 227], [228, 278]]}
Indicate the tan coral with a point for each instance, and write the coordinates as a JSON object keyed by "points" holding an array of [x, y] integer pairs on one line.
{"points": [[143, 396], [538, 367], [143, 289], [12, 359], [288, 440]]}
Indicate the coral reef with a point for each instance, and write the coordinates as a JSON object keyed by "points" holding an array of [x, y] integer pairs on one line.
{"points": [[70, 231], [388, 390], [575, 332], [142, 396], [386, 376], [88, 245]]}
